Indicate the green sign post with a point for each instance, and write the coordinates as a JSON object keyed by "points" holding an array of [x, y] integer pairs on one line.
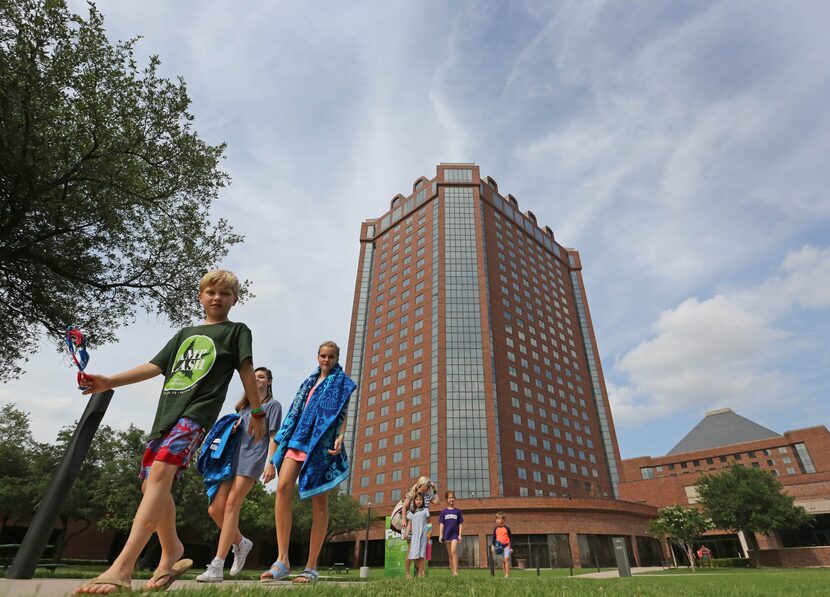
{"points": [[395, 560]]}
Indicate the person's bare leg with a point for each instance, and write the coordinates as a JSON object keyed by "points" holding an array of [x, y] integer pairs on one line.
{"points": [[216, 509], [319, 528], [421, 565], [453, 557], [289, 471], [239, 488], [151, 514], [171, 548]]}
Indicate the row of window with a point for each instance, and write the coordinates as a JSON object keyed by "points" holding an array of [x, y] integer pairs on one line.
{"points": [[648, 472]]}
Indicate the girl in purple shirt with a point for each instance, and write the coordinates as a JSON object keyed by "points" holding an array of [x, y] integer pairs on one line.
{"points": [[449, 531]]}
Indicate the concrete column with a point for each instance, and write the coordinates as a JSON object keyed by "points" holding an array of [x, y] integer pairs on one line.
{"points": [[358, 561], [575, 555], [483, 551], [636, 562], [744, 546]]}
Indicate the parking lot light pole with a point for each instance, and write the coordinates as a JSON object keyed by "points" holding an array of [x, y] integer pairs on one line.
{"points": [[364, 570]]}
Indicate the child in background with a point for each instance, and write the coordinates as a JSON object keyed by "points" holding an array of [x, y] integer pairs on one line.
{"points": [[502, 543], [449, 529], [416, 524]]}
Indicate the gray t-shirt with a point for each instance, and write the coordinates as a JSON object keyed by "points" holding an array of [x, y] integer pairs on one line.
{"points": [[249, 459]]}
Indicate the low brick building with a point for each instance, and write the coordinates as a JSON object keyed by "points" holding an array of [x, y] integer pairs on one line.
{"points": [[548, 532], [800, 459]]}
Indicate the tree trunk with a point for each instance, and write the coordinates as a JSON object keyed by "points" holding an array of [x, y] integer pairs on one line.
{"points": [[752, 543], [690, 554]]}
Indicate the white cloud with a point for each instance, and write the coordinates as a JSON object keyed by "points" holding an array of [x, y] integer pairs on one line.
{"points": [[725, 349]]}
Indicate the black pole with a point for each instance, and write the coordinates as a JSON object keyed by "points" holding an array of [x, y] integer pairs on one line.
{"points": [[43, 522], [366, 542]]}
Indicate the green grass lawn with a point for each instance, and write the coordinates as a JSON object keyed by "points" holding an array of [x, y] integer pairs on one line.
{"points": [[739, 583], [707, 582]]}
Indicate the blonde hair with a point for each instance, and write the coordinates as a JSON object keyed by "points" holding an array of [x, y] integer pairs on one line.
{"points": [[220, 278], [331, 344], [243, 402], [421, 481], [500, 514]]}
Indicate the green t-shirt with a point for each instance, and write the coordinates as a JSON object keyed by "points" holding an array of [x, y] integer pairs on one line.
{"points": [[198, 364]]}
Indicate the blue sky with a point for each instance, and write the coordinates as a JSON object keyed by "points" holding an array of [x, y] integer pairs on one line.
{"points": [[681, 147]]}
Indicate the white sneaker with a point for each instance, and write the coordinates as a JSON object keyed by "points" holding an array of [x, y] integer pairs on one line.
{"points": [[212, 574], [240, 554]]}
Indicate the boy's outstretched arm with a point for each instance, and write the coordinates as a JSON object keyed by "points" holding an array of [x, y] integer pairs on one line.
{"points": [[101, 383], [246, 375]]}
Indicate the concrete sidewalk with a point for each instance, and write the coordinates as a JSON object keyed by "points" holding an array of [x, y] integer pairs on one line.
{"points": [[52, 587], [616, 574]]}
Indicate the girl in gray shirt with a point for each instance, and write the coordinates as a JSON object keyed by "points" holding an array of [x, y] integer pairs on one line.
{"points": [[251, 461]]}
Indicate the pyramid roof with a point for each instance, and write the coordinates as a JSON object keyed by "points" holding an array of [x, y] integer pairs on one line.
{"points": [[722, 427]]}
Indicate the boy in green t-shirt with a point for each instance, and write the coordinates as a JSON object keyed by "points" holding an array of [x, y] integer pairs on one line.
{"points": [[198, 364]]}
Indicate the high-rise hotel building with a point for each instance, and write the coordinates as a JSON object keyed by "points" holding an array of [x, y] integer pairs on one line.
{"points": [[473, 349]]}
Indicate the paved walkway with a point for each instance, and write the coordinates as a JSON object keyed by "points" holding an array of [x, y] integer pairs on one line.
{"points": [[52, 587], [616, 574]]}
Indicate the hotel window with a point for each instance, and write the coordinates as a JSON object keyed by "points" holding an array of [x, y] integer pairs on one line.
{"points": [[458, 175], [415, 453], [522, 472], [804, 456], [381, 461], [397, 456], [378, 497], [415, 435]]}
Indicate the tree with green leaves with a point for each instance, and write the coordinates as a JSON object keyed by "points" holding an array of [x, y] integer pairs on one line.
{"points": [[105, 186], [682, 526], [118, 490], [344, 516], [751, 500], [18, 475]]}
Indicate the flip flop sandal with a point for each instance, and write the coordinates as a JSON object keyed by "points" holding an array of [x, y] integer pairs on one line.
{"points": [[277, 571], [123, 586], [172, 575], [310, 576]]}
